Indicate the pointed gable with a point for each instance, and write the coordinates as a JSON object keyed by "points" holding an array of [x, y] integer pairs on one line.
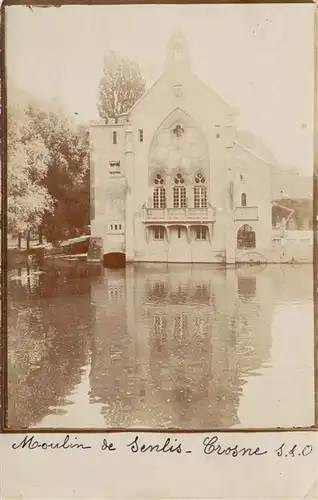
{"points": [[178, 85]]}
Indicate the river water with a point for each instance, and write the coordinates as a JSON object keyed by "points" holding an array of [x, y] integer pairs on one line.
{"points": [[160, 346]]}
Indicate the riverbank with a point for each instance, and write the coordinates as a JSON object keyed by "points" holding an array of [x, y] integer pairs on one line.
{"points": [[72, 248]]}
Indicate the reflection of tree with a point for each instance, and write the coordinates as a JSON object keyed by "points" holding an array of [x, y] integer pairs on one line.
{"points": [[48, 336], [249, 324]]}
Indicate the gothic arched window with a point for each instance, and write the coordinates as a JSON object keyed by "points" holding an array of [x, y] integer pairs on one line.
{"points": [[246, 237], [159, 193], [179, 192], [243, 200], [200, 191]]}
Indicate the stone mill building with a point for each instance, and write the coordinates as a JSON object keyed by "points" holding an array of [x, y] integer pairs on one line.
{"points": [[174, 180]]}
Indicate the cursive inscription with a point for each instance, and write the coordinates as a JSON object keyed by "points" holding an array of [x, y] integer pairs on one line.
{"points": [[108, 445], [294, 451], [31, 443], [212, 445], [168, 447]]}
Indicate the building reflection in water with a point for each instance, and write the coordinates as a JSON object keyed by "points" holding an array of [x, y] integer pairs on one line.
{"points": [[172, 345], [158, 346]]}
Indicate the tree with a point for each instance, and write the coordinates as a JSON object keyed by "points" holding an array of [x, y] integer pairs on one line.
{"points": [[28, 198], [67, 178], [120, 87]]}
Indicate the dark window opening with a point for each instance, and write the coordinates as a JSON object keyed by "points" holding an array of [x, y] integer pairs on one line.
{"points": [[114, 137], [179, 192], [159, 198], [141, 135], [200, 197], [200, 191], [179, 197], [159, 233], [179, 232], [243, 200], [201, 233], [159, 194], [114, 167]]}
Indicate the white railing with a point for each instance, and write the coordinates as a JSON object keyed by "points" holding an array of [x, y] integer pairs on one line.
{"points": [[246, 213], [178, 214]]}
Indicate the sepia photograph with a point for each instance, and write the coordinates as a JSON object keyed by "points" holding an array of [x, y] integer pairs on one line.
{"points": [[160, 242]]}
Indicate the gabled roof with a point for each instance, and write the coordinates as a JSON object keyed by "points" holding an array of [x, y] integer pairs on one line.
{"points": [[232, 110], [255, 146], [179, 36], [150, 89]]}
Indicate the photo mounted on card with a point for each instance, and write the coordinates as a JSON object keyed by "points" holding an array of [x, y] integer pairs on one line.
{"points": [[160, 217]]}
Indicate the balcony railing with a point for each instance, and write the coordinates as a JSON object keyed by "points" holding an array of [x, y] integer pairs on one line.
{"points": [[179, 214], [246, 213]]}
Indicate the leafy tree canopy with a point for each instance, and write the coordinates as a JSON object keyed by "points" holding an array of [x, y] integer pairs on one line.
{"points": [[120, 87], [67, 178], [28, 198]]}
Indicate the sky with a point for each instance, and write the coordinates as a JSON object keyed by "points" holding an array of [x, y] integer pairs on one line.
{"points": [[259, 58]]}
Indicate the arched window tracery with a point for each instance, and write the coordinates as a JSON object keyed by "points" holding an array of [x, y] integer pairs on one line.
{"points": [[200, 191], [179, 192], [159, 192]]}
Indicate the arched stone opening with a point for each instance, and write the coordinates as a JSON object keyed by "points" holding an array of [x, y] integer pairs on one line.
{"points": [[114, 260], [246, 237]]}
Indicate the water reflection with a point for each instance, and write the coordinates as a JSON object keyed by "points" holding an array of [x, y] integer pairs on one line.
{"points": [[148, 346]]}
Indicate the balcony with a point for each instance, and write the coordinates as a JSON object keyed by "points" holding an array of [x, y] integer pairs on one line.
{"points": [[246, 213], [175, 215]]}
